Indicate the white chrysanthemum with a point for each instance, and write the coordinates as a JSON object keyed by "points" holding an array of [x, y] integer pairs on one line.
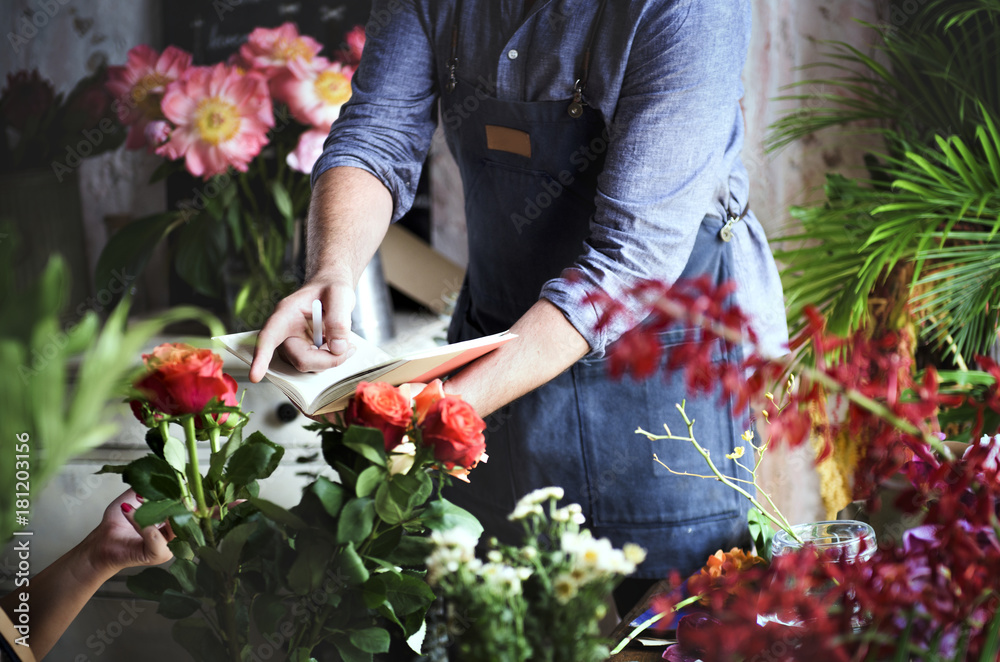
{"points": [[541, 496], [453, 549], [501, 578], [634, 554], [524, 510], [494, 556], [529, 553], [565, 587]]}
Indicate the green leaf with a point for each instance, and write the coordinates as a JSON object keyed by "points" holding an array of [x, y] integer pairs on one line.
{"points": [[407, 594], [367, 442], [232, 545], [356, 520], [368, 480], [313, 553], [391, 503], [153, 478], [174, 604], [199, 640], [268, 610], [373, 591], [201, 248], [761, 532], [184, 571], [442, 515], [349, 652], [411, 551], [371, 640], [282, 201], [218, 460], [330, 494], [175, 453], [154, 512], [350, 566], [125, 255], [276, 513], [255, 460], [150, 583]]}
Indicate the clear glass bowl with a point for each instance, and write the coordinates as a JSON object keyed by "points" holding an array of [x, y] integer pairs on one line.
{"points": [[849, 540]]}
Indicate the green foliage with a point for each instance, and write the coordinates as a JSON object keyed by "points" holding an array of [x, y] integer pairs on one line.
{"points": [[330, 574], [61, 386], [761, 532], [932, 201]]}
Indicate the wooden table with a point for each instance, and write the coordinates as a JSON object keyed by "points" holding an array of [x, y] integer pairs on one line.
{"points": [[636, 652]]}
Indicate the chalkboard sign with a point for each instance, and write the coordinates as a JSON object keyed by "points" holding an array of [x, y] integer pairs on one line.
{"points": [[212, 30]]}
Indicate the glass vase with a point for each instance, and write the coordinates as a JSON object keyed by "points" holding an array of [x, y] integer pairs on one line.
{"points": [[849, 541]]}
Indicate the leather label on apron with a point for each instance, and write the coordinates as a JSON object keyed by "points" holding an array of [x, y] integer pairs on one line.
{"points": [[505, 139]]}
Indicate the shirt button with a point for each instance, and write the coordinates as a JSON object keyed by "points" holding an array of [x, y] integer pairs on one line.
{"points": [[512, 54]]}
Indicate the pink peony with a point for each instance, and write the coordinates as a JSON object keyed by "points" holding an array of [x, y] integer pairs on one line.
{"points": [[138, 87], [355, 46], [221, 119], [268, 50], [314, 92], [307, 151]]}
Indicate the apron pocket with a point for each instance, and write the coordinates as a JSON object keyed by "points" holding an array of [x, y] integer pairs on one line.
{"points": [[624, 485]]}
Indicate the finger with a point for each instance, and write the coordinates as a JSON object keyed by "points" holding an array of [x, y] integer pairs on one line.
{"points": [[306, 357], [286, 321], [155, 550], [337, 306], [167, 531]]}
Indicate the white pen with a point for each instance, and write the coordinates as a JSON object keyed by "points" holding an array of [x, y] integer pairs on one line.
{"points": [[317, 323]]}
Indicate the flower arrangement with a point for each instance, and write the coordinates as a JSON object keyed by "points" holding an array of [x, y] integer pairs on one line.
{"points": [[932, 597], [540, 601], [251, 129], [42, 129], [331, 575]]}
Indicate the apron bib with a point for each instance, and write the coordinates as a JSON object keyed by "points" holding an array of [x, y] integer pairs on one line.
{"points": [[529, 171]]}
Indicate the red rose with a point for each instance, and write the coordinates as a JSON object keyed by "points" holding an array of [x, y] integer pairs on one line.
{"points": [[383, 407], [455, 431], [181, 379]]}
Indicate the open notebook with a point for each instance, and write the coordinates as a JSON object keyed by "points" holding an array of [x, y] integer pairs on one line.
{"points": [[326, 392]]}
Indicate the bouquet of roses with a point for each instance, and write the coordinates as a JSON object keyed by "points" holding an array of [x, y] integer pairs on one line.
{"points": [[251, 128], [540, 601], [332, 572]]}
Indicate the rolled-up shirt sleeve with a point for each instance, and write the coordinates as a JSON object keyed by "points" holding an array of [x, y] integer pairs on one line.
{"points": [[670, 153], [387, 126]]}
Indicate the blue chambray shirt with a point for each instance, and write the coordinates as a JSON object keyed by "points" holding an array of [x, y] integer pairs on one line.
{"points": [[665, 76]]}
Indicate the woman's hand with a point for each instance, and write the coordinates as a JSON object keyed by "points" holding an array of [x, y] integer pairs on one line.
{"points": [[119, 543]]}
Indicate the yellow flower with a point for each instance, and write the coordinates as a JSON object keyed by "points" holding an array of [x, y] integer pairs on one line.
{"points": [[736, 454]]}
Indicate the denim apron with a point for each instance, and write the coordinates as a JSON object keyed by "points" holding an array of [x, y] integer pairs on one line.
{"points": [[528, 216]]}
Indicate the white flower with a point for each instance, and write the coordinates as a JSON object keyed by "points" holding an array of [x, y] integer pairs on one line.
{"points": [[501, 579], [994, 454], [570, 513], [494, 556], [565, 587], [401, 458], [453, 549], [524, 510], [633, 553], [541, 496]]}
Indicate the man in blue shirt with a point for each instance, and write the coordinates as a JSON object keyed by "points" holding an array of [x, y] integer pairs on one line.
{"points": [[599, 144]]}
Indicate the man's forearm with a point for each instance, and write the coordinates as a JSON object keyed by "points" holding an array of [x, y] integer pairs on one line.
{"points": [[348, 217], [547, 344]]}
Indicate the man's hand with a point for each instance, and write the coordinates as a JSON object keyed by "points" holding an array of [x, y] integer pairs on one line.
{"points": [[289, 329]]}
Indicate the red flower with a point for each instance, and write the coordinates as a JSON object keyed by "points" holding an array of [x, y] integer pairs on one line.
{"points": [[27, 96], [181, 379], [383, 407], [455, 431]]}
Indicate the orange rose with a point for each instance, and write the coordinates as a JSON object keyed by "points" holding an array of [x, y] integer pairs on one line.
{"points": [[381, 406], [455, 431], [427, 398], [181, 379], [723, 567]]}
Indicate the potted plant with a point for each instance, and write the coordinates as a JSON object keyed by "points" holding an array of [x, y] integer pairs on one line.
{"points": [[906, 254]]}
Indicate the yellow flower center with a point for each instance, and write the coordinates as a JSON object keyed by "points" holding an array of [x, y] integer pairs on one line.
{"points": [[146, 94], [333, 88], [288, 50], [216, 120]]}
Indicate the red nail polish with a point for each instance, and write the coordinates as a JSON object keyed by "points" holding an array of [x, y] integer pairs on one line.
{"points": [[139, 498], [127, 508]]}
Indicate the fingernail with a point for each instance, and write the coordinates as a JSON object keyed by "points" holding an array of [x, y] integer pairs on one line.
{"points": [[338, 346], [139, 498], [127, 508]]}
